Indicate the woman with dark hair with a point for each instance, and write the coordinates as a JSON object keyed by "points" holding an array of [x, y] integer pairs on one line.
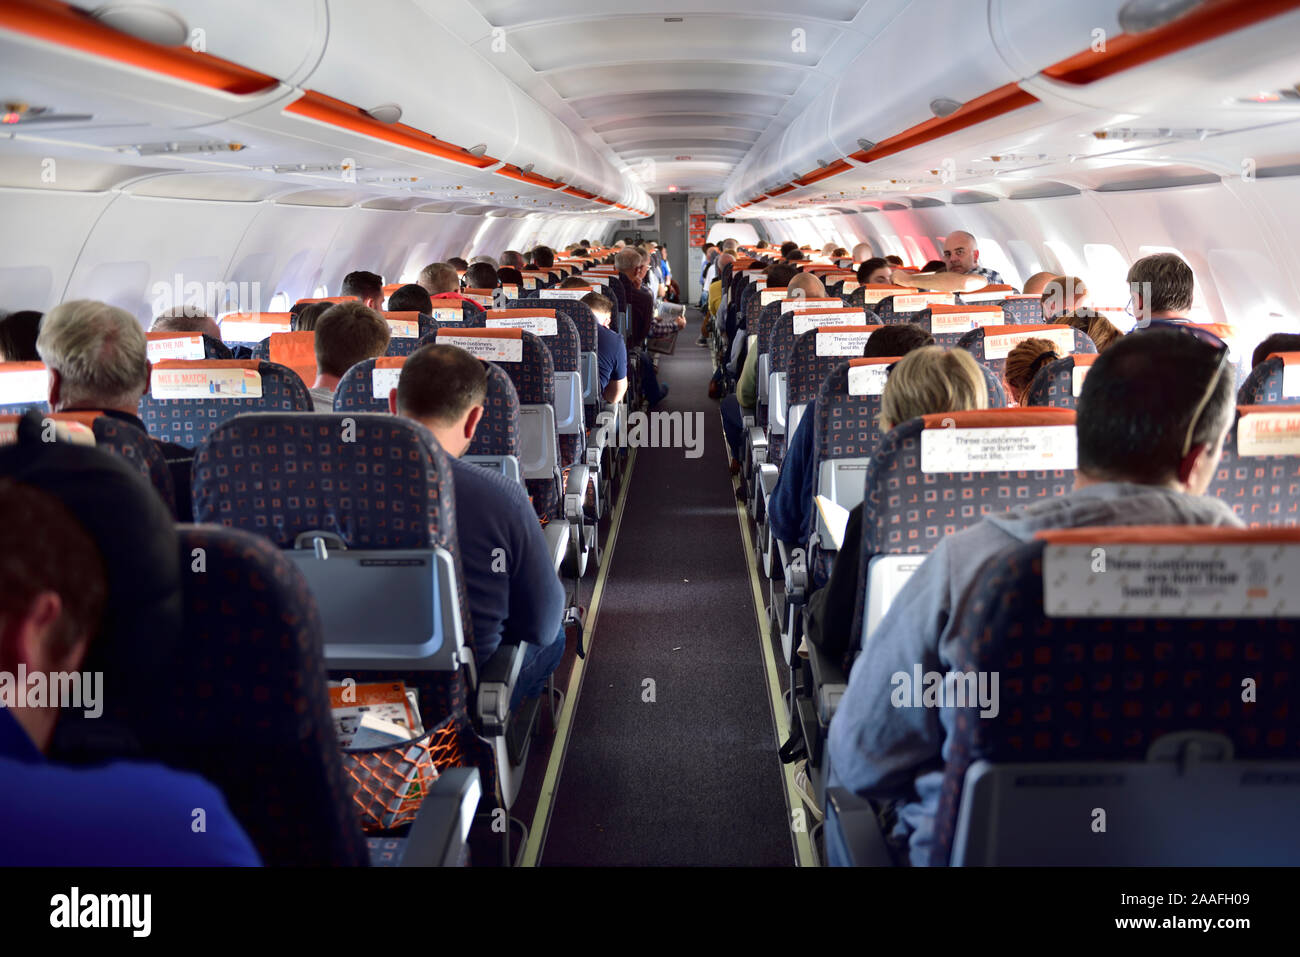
{"points": [[18, 336]]}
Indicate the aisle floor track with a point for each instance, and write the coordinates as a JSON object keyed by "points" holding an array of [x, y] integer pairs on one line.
{"points": [[666, 747]]}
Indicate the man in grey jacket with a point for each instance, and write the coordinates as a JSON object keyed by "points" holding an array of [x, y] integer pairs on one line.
{"points": [[1151, 422]]}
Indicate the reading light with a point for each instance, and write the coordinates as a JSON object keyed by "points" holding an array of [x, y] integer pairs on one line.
{"points": [[1139, 16], [527, 168], [866, 144], [943, 106], [144, 21], [477, 150], [386, 113], [822, 163]]}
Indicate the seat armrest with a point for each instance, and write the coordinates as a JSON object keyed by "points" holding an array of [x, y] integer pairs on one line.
{"points": [[441, 827], [829, 682], [556, 534], [575, 492], [852, 824], [496, 685], [748, 421]]}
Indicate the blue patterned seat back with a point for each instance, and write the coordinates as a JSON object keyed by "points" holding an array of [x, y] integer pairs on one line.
{"points": [[1054, 384], [471, 317], [1263, 386], [1103, 689], [356, 392], [906, 511], [1022, 310], [401, 346], [498, 430], [249, 708], [188, 422], [767, 318], [261, 350], [125, 440], [583, 319], [855, 298], [973, 342], [806, 371], [1261, 489]]}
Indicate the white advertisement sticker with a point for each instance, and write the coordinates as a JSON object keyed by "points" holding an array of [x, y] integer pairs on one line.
{"points": [[210, 383], [868, 379], [177, 347], [1130, 580], [537, 325], [491, 348], [1268, 433], [1004, 449], [999, 346], [803, 321], [847, 344], [24, 385]]}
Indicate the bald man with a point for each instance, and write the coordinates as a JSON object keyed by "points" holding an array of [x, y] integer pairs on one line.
{"points": [[807, 285], [961, 253], [861, 253], [1035, 284]]}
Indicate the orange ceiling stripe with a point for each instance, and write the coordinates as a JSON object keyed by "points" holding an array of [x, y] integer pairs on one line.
{"points": [[1000, 101], [1214, 18], [326, 109], [56, 22]]}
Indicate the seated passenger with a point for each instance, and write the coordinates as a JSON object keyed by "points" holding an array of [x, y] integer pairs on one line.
{"points": [[735, 407], [480, 275], [411, 298], [898, 261], [790, 508], [458, 264], [513, 259], [1035, 284], [1277, 342], [875, 271], [1161, 286], [1094, 325], [611, 350], [18, 332], [1023, 363], [1062, 295], [53, 595], [366, 286], [486, 260], [305, 319], [347, 333], [442, 282], [632, 267], [543, 257], [511, 276], [1152, 418], [98, 359], [514, 594], [186, 319]]}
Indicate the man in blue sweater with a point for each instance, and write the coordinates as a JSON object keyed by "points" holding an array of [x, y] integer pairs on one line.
{"points": [[514, 594], [54, 600]]}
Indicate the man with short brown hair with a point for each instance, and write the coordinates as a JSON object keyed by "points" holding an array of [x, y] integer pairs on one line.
{"points": [[346, 334]]}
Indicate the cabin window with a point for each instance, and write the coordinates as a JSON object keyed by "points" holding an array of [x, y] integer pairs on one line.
{"points": [[1105, 275], [279, 303]]}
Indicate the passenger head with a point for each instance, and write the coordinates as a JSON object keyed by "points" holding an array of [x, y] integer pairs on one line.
{"points": [[512, 258], [929, 380], [346, 334], [787, 248], [410, 298], [897, 340], [366, 286], [730, 245], [480, 276], [1161, 286], [1023, 363], [795, 255], [875, 271], [894, 260], [779, 276], [839, 252], [935, 265], [1154, 410], [442, 388], [97, 355], [186, 319], [1062, 295], [960, 251], [1095, 326], [439, 278], [487, 260], [53, 588], [828, 250], [458, 264], [1277, 342], [510, 276], [573, 282], [306, 318], [808, 285], [628, 262], [1035, 283], [601, 307], [862, 252], [543, 257], [18, 332]]}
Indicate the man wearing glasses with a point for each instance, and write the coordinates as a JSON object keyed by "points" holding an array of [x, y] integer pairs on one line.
{"points": [[1152, 417]]}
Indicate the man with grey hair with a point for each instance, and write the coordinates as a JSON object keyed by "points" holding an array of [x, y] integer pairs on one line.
{"points": [[98, 359], [442, 281]]}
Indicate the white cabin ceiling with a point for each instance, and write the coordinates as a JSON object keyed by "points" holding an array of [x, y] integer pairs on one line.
{"points": [[679, 95]]}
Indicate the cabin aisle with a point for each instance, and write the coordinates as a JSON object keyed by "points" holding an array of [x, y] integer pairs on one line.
{"points": [[691, 777]]}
